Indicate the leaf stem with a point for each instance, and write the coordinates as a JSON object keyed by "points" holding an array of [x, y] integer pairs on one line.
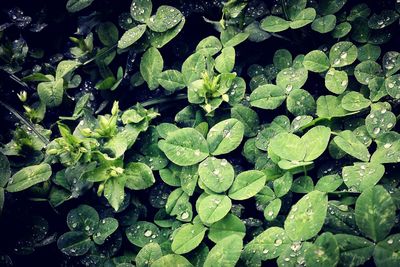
{"points": [[161, 100]]}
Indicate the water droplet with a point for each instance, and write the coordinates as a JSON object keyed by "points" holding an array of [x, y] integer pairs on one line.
{"points": [[148, 233]]}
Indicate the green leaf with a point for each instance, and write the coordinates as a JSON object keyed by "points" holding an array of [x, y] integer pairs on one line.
{"points": [[171, 80], [307, 216], [65, 67], [324, 24], [268, 96], [185, 147], [329, 183], [141, 10], [28, 177], [282, 59], [392, 85], [287, 146], [225, 253], [382, 20], [74, 243], [354, 250], [369, 52], [271, 211], [229, 225], [265, 246], [336, 81], [283, 184], [300, 102], [187, 238], [294, 7], [165, 18], [316, 61], [292, 78], [148, 254], [326, 7], [108, 33], [329, 106], [209, 46], [247, 184], [5, 171], [248, 117], [131, 36], [106, 227], [386, 251], [375, 212], [341, 30], [83, 219], [366, 71], [151, 66], [350, 144], [225, 62], [388, 153], [362, 176], [274, 24], [216, 174], [159, 39], [324, 252], [114, 191], [354, 101], [138, 176], [315, 142], [51, 93], [342, 54], [193, 67], [213, 208], [303, 18], [379, 122], [172, 260], [141, 233], [77, 5], [225, 136]]}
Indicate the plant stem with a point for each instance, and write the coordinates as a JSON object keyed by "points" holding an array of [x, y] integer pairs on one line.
{"points": [[160, 100], [99, 55]]}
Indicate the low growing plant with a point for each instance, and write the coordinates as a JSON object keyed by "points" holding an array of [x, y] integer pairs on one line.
{"points": [[213, 133]]}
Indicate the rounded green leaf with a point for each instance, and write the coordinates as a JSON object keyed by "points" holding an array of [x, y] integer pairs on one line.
{"points": [[300, 102], [303, 18], [307, 216], [392, 85], [141, 10], [315, 142], [375, 212], [369, 52], [343, 54], [108, 33], [268, 96], [349, 143], [165, 18], [366, 71], [171, 80], [159, 39], [354, 250], [324, 24], [386, 252], [287, 146], [172, 260], [272, 209], [362, 175], [77, 5], [151, 66], [216, 174], [225, 62], [248, 117], [283, 184], [341, 30], [106, 227], [354, 101], [329, 183], [225, 253], [84, 219], [379, 122], [28, 177], [389, 152], [131, 36], [225, 136], [51, 93], [229, 225], [282, 59], [336, 81], [187, 238], [185, 147], [142, 233], [74, 243], [382, 20], [316, 61], [292, 78], [274, 24], [138, 175], [192, 67], [213, 208], [247, 184], [324, 252], [148, 254], [209, 46]]}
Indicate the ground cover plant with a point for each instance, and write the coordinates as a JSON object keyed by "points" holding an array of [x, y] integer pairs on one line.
{"points": [[210, 133]]}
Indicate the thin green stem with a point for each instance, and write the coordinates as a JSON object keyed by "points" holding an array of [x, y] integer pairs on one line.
{"points": [[161, 100]]}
